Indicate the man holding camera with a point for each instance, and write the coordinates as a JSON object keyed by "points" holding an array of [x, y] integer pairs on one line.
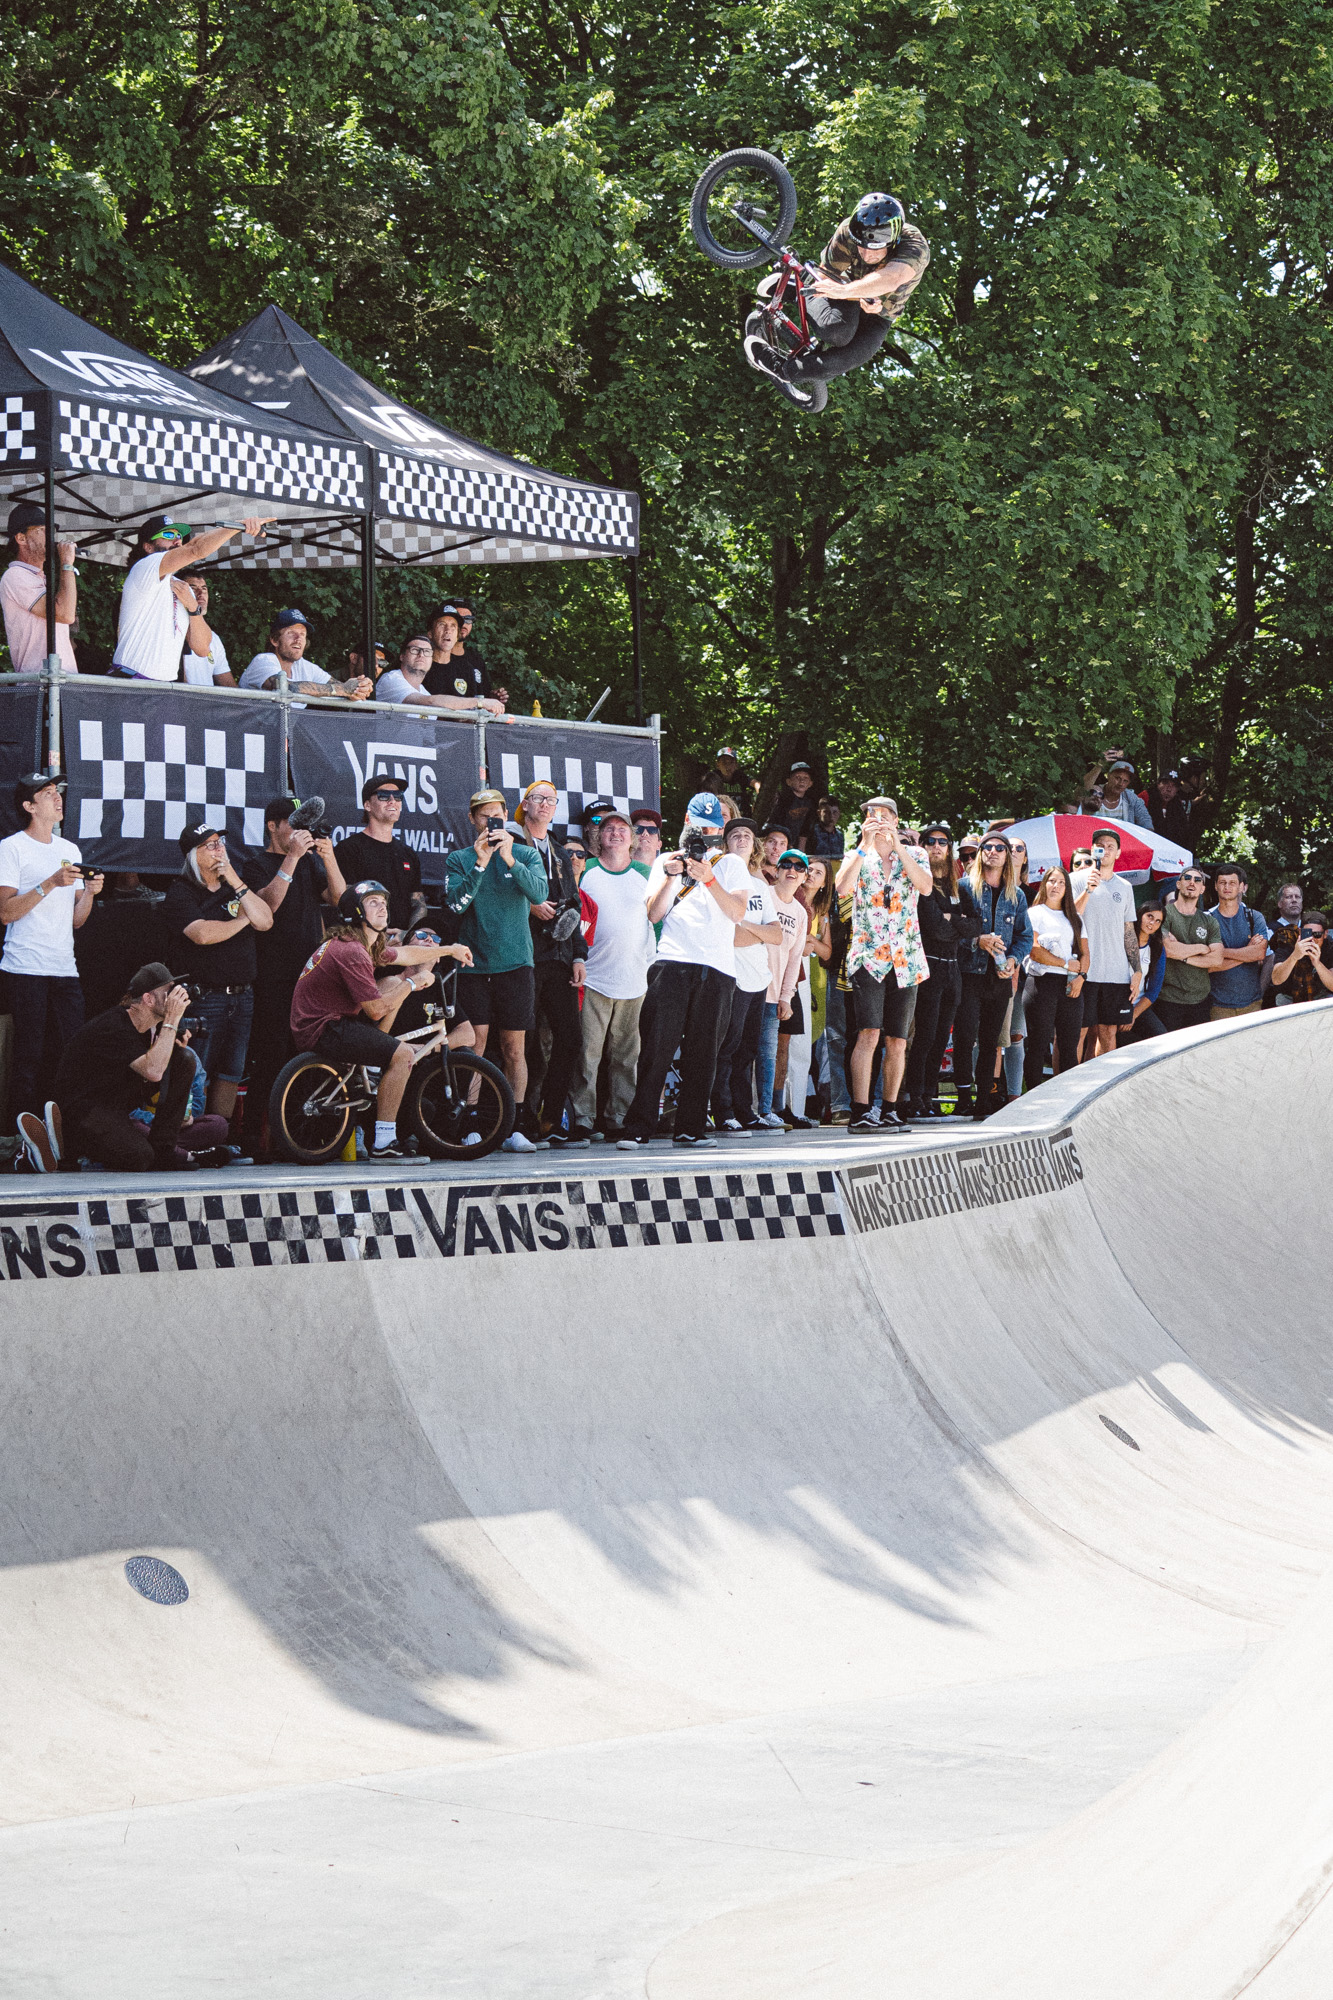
{"points": [[118, 1064], [46, 895], [1305, 971], [297, 875], [698, 895], [214, 915], [493, 886]]}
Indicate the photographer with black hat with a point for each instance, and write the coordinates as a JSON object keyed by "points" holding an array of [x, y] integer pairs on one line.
{"points": [[116, 1065], [214, 914], [298, 876]]}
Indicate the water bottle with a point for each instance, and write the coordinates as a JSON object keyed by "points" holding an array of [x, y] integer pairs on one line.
{"points": [[1073, 972]]}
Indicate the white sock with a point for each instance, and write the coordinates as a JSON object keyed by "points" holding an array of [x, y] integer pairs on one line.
{"points": [[385, 1132]]}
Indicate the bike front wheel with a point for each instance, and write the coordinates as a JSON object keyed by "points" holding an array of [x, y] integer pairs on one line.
{"points": [[810, 396], [747, 185], [459, 1105], [309, 1113]]}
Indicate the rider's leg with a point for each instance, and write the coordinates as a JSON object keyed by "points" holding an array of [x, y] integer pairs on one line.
{"points": [[393, 1082], [863, 342]]}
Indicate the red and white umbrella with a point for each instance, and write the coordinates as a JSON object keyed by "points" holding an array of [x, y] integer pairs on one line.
{"points": [[1053, 840]]}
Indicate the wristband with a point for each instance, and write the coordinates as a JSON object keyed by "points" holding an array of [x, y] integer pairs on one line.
{"points": [[70, 566], [283, 877], [709, 879]]}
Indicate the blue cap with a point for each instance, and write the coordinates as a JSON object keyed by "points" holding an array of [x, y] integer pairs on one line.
{"points": [[705, 809], [286, 618]]}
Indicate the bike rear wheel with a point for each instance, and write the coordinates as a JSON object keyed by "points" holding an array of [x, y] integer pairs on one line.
{"points": [[309, 1115], [810, 396], [437, 1108], [747, 182]]}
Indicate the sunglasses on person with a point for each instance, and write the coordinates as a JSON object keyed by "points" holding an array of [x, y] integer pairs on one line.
{"points": [[938, 840], [995, 847], [1202, 880], [790, 868], [173, 531], [388, 798]]}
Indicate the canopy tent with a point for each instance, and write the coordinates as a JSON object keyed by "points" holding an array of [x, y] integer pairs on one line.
{"points": [[108, 437], [439, 497], [1054, 839]]}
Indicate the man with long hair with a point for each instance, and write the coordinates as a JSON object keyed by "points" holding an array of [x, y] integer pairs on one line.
{"points": [[990, 892], [886, 961]]}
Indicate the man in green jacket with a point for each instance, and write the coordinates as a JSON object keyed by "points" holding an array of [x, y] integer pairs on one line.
{"points": [[492, 886]]}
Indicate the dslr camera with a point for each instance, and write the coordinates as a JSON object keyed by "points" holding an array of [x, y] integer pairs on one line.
{"points": [[695, 845], [310, 816]]}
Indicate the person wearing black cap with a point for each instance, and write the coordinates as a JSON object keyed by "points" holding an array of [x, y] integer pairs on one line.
{"points": [[797, 805], [45, 896], [466, 660], [458, 673], [158, 612], [213, 915], [375, 852], [118, 1064], [286, 660], [298, 876], [23, 593]]}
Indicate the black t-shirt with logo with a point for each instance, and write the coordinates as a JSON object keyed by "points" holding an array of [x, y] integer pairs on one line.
{"points": [[231, 963], [298, 927], [95, 1072], [391, 862], [465, 674]]}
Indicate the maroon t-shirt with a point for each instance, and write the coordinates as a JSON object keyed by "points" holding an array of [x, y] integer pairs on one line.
{"points": [[333, 983]]}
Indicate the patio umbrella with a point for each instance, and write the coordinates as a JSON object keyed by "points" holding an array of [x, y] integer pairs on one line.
{"points": [[1053, 839]]}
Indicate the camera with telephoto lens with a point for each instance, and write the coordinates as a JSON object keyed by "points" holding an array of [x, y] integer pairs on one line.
{"points": [[695, 845]]}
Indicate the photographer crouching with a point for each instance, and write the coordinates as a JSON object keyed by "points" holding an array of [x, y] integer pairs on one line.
{"points": [[115, 1066], [698, 895]]}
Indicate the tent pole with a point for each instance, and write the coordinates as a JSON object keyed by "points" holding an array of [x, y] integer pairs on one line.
{"points": [[368, 592], [52, 657], [636, 632]]}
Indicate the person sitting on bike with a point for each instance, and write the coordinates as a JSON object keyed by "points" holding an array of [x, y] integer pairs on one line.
{"points": [[872, 264], [342, 1012]]}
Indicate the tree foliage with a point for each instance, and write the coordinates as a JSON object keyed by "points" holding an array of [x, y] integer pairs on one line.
{"points": [[1082, 496]]}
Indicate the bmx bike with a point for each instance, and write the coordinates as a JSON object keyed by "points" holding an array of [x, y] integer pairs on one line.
{"points": [[457, 1105], [730, 212]]}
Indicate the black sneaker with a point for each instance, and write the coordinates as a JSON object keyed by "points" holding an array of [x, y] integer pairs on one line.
{"points": [[891, 1119], [393, 1151], [796, 1124], [765, 360], [868, 1122], [577, 1135], [631, 1142], [694, 1139]]}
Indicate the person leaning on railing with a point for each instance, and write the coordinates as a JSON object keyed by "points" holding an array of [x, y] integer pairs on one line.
{"points": [[285, 660]]}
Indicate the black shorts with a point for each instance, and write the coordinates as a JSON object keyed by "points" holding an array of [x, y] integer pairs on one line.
{"points": [[796, 1025], [498, 999], [356, 1041], [883, 1004], [1106, 1004]]}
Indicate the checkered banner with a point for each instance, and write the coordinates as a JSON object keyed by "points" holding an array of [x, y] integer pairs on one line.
{"points": [[333, 752], [22, 743], [143, 763], [582, 764]]}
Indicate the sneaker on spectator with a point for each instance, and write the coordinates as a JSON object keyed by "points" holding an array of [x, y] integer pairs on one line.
{"points": [[769, 1121], [54, 1130], [577, 1135], [472, 1138], [519, 1142], [731, 1125], [693, 1139], [36, 1143], [393, 1151], [631, 1143], [867, 1122], [795, 1124]]}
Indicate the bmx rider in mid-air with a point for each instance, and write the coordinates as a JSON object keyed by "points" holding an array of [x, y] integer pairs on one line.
{"points": [[872, 264]]}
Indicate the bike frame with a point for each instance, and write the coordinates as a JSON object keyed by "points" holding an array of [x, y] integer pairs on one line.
{"points": [[796, 273]]}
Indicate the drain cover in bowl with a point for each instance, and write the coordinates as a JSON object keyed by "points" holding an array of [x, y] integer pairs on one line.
{"points": [[156, 1580]]}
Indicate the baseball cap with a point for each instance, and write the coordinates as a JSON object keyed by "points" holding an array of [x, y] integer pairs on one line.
{"points": [[705, 809], [774, 826], [27, 514], [280, 809], [381, 781], [740, 820], [441, 611], [158, 524], [790, 854], [487, 796], [799, 765], [1123, 764], [881, 799], [614, 812], [595, 808], [286, 618], [726, 751], [149, 977], [195, 836], [644, 815], [27, 787]]}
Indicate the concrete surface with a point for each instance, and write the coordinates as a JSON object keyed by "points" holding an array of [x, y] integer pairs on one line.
{"points": [[563, 1610]]}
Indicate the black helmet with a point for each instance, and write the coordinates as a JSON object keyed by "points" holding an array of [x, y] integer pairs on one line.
{"points": [[877, 219], [351, 903]]}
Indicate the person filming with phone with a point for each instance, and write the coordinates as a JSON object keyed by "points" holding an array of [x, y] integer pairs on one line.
{"points": [[494, 886], [886, 960]]}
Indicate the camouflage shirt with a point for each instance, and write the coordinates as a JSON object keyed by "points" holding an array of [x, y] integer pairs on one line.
{"points": [[842, 259]]}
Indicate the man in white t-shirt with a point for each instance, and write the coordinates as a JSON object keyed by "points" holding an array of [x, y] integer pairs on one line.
{"points": [[734, 1083], [698, 895], [159, 612], [615, 978], [406, 683], [286, 659], [23, 593], [210, 669], [44, 899], [1106, 904]]}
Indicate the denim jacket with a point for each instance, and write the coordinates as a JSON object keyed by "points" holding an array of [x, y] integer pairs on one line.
{"points": [[1002, 916]]}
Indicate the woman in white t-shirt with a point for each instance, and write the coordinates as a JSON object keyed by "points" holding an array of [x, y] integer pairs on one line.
{"points": [[1057, 968], [698, 895], [733, 1085]]}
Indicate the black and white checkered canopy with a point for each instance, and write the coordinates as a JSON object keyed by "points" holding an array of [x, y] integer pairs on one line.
{"points": [[439, 498], [128, 438]]}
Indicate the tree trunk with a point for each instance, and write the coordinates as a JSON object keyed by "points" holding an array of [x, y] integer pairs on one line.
{"points": [[1239, 662]]}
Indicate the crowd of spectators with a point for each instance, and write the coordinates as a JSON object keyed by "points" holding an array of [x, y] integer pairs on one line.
{"points": [[727, 982]]}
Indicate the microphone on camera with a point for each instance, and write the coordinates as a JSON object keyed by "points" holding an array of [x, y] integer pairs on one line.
{"points": [[309, 813]]}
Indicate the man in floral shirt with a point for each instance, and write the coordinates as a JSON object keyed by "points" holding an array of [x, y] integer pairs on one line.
{"points": [[885, 878]]}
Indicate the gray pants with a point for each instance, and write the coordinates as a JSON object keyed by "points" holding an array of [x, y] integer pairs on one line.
{"points": [[610, 1026]]}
